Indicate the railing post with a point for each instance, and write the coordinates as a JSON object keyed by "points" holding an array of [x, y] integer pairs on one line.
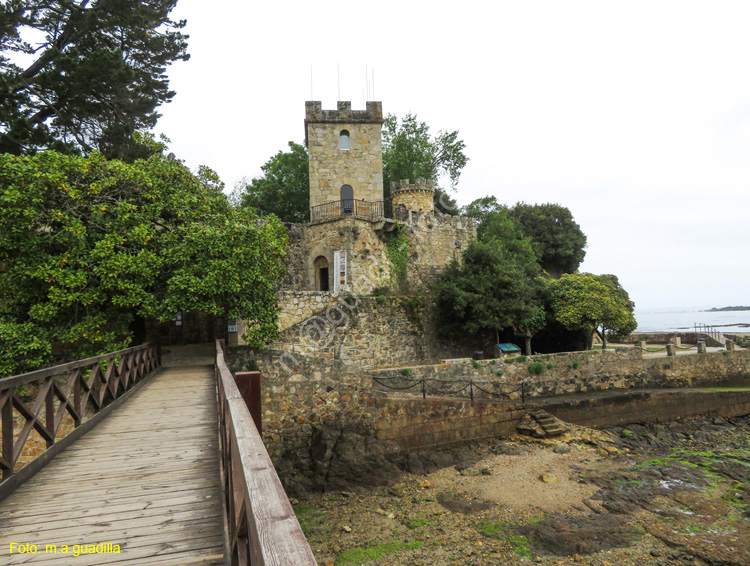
{"points": [[424, 389], [471, 390], [248, 382], [670, 349], [7, 440]]}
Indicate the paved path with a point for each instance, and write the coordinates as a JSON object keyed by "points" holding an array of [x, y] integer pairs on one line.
{"points": [[146, 478]]}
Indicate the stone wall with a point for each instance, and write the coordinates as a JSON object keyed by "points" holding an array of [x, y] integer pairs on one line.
{"points": [[361, 166], [433, 241], [601, 411], [574, 372], [316, 409], [425, 423], [367, 260], [369, 331]]}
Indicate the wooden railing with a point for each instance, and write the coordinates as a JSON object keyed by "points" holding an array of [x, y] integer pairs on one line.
{"points": [[262, 527], [42, 398]]}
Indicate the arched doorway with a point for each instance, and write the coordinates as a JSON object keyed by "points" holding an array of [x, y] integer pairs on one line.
{"points": [[321, 273]]}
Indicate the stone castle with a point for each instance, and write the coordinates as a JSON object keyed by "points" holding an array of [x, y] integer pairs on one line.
{"points": [[357, 241]]}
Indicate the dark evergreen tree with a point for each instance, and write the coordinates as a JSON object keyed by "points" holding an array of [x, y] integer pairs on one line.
{"points": [[79, 75], [557, 238]]}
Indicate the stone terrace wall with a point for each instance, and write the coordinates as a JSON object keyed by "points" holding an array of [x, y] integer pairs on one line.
{"points": [[310, 404], [602, 411], [424, 423], [373, 331], [577, 372], [298, 306]]}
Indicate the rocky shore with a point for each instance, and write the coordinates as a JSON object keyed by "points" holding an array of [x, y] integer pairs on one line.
{"points": [[665, 494]]}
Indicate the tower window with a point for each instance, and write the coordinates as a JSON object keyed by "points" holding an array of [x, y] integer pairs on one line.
{"points": [[344, 139]]}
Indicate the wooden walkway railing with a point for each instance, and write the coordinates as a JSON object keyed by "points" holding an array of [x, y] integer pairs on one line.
{"points": [[263, 529], [80, 389]]}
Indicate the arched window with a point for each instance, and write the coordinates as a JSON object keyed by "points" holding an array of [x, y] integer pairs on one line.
{"points": [[344, 139], [347, 199]]}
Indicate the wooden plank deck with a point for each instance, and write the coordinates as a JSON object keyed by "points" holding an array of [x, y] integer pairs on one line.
{"points": [[146, 478]]}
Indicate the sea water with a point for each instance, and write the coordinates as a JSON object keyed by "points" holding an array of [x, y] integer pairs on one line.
{"points": [[683, 320]]}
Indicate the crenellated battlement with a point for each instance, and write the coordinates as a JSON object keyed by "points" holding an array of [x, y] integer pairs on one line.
{"points": [[314, 113]]}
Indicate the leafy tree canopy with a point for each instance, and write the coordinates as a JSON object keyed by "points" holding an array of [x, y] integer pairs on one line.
{"points": [[284, 187], [591, 303], [491, 289], [410, 152], [87, 245], [557, 239], [80, 75]]}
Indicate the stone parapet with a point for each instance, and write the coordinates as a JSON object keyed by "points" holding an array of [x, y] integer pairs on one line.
{"points": [[373, 113]]}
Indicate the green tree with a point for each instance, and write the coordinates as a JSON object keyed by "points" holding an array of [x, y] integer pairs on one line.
{"points": [[482, 208], [493, 288], [558, 240], [284, 187], [591, 303], [410, 152], [88, 245], [96, 73]]}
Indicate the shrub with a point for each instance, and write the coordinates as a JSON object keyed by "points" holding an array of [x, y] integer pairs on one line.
{"points": [[536, 368], [406, 372], [521, 358], [550, 366], [574, 364], [509, 360], [476, 364], [499, 372], [381, 299]]}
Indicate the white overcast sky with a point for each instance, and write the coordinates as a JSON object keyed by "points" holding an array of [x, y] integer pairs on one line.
{"points": [[634, 115]]}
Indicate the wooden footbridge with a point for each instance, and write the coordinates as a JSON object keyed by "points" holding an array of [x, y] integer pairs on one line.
{"points": [[138, 465]]}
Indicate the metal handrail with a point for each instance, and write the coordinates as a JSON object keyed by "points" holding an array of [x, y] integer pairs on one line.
{"points": [[369, 210]]}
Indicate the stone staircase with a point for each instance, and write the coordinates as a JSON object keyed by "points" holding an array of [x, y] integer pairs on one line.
{"points": [[540, 424], [713, 336]]}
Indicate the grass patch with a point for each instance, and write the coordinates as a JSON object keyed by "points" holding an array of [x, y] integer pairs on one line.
{"points": [[574, 364], [476, 364], [521, 358], [499, 530], [373, 552], [550, 366], [310, 517], [406, 372], [536, 368], [416, 523]]}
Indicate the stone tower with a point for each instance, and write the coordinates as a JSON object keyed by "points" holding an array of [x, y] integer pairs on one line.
{"points": [[417, 197], [346, 156]]}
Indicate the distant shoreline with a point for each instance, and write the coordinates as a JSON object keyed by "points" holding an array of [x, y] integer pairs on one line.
{"points": [[726, 309]]}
